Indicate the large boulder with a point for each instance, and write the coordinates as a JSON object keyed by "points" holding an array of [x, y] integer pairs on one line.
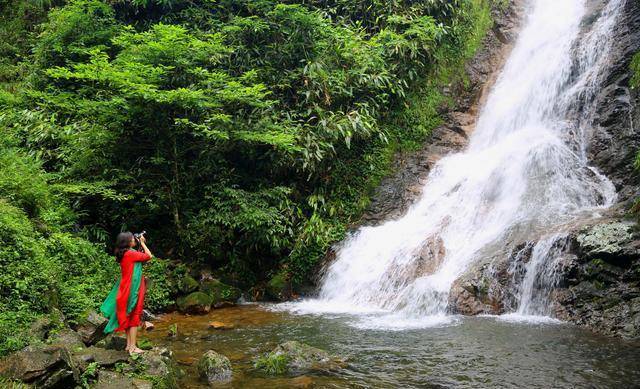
{"points": [[196, 303], [214, 367], [221, 294], [45, 367], [91, 328], [187, 284], [294, 357]]}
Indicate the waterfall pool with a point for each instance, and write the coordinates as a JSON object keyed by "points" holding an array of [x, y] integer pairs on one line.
{"points": [[468, 352]]}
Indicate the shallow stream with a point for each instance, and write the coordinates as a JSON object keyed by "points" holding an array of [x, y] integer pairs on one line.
{"points": [[468, 352]]}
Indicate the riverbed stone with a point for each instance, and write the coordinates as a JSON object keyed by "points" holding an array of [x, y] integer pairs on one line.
{"points": [[214, 367], [294, 357], [218, 325], [195, 303]]}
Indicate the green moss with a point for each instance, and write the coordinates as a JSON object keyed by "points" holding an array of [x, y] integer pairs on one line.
{"points": [[196, 302], [277, 286], [635, 69], [187, 284], [219, 291]]}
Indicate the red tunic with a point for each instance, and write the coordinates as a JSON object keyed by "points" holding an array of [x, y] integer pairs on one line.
{"points": [[126, 266]]}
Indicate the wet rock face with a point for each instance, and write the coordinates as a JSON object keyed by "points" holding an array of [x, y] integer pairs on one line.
{"points": [[488, 287], [603, 291], [598, 280], [616, 137]]}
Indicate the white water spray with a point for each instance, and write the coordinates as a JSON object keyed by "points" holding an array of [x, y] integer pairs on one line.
{"points": [[524, 171]]}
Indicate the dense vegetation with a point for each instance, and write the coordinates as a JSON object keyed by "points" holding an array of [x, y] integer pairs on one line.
{"points": [[244, 136]]}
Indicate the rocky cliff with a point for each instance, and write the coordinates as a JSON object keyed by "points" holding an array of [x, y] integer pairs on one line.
{"points": [[596, 279]]}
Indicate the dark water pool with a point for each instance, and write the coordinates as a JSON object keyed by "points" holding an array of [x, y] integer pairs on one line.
{"points": [[477, 352]]}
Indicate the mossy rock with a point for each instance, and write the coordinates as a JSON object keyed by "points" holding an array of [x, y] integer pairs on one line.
{"points": [[214, 367], [608, 241], [278, 288], [156, 365], [220, 292], [294, 357], [196, 302], [187, 284]]}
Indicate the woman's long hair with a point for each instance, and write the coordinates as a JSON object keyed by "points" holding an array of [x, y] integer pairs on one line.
{"points": [[122, 244]]}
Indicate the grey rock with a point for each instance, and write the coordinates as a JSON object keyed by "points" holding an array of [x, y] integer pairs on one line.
{"points": [[68, 338], [214, 367], [103, 357], [157, 363], [91, 328], [45, 367], [610, 240], [148, 315], [113, 342]]}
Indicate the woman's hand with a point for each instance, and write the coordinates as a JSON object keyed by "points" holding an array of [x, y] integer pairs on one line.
{"points": [[144, 245]]}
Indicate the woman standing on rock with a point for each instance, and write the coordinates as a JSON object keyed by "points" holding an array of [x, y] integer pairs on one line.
{"points": [[123, 307]]}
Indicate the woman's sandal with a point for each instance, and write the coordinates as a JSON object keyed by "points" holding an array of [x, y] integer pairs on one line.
{"points": [[136, 350]]}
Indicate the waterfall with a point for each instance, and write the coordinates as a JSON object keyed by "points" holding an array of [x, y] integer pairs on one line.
{"points": [[523, 173]]}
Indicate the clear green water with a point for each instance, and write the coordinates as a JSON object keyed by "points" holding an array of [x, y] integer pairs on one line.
{"points": [[476, 352]]}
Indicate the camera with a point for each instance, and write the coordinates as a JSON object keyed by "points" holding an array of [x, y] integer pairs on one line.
{"points": [[139, 234]]}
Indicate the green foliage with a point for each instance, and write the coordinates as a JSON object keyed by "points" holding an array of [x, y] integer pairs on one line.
{"points": [[273, 363], [635, 68], [245, 136], [89, 375], [161, 287]]}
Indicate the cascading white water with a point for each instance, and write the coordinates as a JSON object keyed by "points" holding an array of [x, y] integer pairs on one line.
{"points": [[524, 171]]}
